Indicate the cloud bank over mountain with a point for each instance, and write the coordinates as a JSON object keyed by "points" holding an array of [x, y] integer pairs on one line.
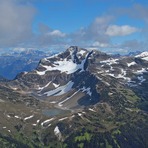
{"points": [[23, 25]]}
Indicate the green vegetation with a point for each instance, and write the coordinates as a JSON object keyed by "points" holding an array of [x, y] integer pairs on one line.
{"points": [[130, 95], [116, 132], [86, 136], [81, 145], [107, 144]]}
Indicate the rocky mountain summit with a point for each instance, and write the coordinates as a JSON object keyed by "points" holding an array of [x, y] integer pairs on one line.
{"points": [[97, 96]]}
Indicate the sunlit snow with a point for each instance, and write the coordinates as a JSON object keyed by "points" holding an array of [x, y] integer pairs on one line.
{"points": [[87, 90], [28, 117], [67, 66], [110, 61], [60, 104], [130, 64], [60, 90]]}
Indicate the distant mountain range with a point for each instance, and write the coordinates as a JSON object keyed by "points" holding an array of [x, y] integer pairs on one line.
{"points": [[13, 63], [77, 99]]}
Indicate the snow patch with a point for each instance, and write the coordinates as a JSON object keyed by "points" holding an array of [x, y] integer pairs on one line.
{"points": [[46, 121], [87, 90], [141, 79], [130, 64], [49, 125], [79, 114], [60, 90], [60, 103], [8, 116], [62, 66], [82, 52], [2, 100], [132, 84], [56, 85], [140, 71], [145, 58], [110, 61], [63, 119], [37, 121], [27, 118], [57, 132], [91, 110], [17, 117], [143, 54], [111, 74], [67, 66], [35, 124], [41, 88], [53, 56], [53, 102], [14, 88], [122, 75], [72, 117]]}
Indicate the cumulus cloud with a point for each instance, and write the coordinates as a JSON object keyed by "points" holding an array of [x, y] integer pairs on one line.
{"points": [[20, 49], [98, 44], [114, 30], [94, 32], [137, 11], [135, 45], [15, 22], [49, 37], [56, 33], [16, 18]]}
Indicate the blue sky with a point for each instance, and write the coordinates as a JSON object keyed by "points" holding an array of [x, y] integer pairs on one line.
{"points": [[117, 26]]}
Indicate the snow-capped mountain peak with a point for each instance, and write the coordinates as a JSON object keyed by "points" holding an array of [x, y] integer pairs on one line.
{"points": [[143, 55], [72, 60]]}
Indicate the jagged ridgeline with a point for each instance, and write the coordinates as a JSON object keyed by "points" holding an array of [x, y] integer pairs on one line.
{"points": [[77, 98]]}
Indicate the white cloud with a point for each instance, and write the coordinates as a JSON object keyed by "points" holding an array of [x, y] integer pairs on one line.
{"points": [[16, 17], [56, 33], [114, 30], [94, 32], [20, 49], [15, 22], [98, 44]]}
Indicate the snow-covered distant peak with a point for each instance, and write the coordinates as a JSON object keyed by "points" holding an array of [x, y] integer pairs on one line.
{"points": [[78, 50], [73, 48], [110, 61], [82, 52], [142, 55], [67, 62]]}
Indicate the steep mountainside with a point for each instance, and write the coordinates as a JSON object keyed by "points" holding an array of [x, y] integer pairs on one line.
{"points": [[77, 98]]}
